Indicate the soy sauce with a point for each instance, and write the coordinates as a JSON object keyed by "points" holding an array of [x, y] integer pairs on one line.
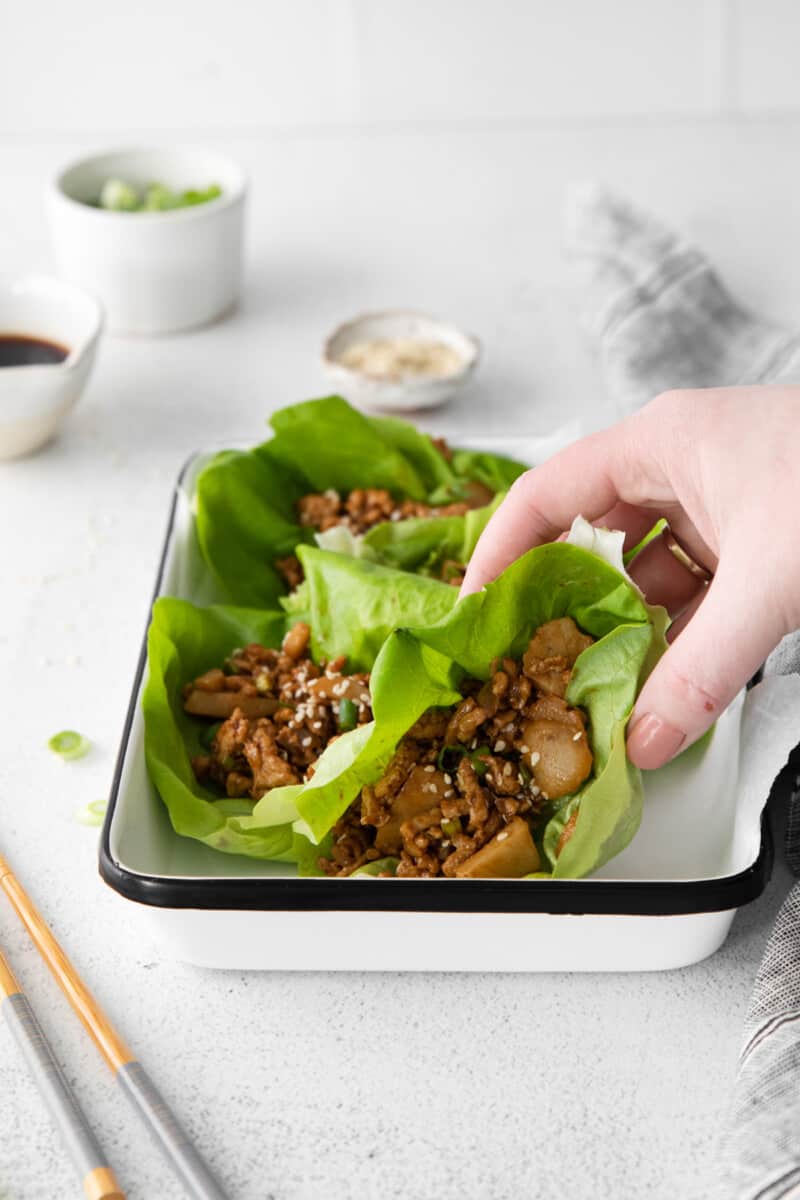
{"points": [[20, 350]]}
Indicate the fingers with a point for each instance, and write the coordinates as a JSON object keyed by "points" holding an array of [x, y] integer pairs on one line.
{"points": [[721, 647], [663, 579], [544, 502]]}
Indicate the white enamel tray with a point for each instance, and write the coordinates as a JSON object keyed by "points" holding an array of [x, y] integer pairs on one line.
{"points": [[667, 901]]}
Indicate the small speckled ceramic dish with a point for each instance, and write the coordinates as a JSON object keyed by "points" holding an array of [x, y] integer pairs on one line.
{"points": [[400, 392]]}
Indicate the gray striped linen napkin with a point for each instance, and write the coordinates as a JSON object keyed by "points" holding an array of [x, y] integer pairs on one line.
{"points": [[662, 318]]}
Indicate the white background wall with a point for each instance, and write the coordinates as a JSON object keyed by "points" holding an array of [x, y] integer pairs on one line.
{"points": [[99, 66]]}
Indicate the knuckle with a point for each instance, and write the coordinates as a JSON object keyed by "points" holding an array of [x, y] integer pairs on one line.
{"points": [[674, 400], [704, 699]]}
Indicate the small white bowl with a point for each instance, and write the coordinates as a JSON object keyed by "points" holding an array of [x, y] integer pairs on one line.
{"points": [[403, 393], [156, 272], [35, 399]]}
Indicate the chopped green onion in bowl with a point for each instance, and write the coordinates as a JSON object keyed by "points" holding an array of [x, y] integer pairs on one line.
{"points": [[92, 813], [116, 195], [69, 744], [119, 196]]}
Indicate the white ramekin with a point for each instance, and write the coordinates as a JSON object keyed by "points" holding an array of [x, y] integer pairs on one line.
{"points": [[156, 272], [34, 400]]}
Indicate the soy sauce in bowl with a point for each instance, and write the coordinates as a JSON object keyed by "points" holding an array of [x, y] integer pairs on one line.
{"points": [[21, 350]]}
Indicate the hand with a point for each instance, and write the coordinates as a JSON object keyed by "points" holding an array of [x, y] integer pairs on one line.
{"points": [[723, 466]]}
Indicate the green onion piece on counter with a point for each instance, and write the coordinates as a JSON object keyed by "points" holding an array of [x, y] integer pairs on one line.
{"points": [[348, 715], [92, 813], [69, 744]]}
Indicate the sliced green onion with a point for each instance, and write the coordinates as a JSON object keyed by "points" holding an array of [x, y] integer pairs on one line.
{"points": [[658, 528], [348, 715], [207, 735], [476, 757], [69, 744], [440, 759], [92, 813], [451, 828]]}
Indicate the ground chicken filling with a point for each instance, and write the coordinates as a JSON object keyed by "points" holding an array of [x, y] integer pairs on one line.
{"points": [[364, 508], [468, 786], [278, 710]]}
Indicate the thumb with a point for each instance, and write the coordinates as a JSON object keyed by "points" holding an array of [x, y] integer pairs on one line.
{"points": [[710, 661]]}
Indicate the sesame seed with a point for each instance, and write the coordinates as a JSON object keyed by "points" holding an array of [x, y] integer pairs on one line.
{"points": [[501, 837], [450, 792], [507, 728], [576, 737], [535, 758], [474, 744], [499, 746], [317, 725], [524, 749], [306, 741], [430, 767], [507, 769], [448, 779]]}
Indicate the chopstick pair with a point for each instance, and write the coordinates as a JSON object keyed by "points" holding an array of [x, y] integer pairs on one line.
{"points": [[130, 1074], [96, 1176]]}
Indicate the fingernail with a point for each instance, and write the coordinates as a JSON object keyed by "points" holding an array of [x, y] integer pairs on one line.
{"points": [[653, 741]]}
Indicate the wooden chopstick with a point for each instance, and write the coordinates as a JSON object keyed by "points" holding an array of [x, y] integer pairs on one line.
{"points": [[130, 1074], [83, 1147]]}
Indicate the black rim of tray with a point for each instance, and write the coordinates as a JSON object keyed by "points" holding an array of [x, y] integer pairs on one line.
{"points": [[572, 896]]}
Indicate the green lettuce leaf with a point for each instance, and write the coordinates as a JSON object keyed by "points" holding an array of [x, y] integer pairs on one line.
{"points": [[408, 678], [183, 641], [352, 606], [422, 668], [352, 609], [423, 544], [245, 500]]}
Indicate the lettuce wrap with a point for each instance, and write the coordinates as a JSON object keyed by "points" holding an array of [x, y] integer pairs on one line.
{"points": [[423, 667], [352, 608], [245, 501], [349, 605]]}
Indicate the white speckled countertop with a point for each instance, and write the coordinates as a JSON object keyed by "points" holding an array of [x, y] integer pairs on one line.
{"points": [[306, 1086]]}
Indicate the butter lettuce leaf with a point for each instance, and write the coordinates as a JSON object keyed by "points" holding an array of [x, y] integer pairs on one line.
{"points": [[420, 667], [352, 608], [352, 605], [245, 500]]}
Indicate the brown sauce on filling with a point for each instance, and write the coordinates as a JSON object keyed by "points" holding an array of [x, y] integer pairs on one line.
{"points": [[20, 350]]}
